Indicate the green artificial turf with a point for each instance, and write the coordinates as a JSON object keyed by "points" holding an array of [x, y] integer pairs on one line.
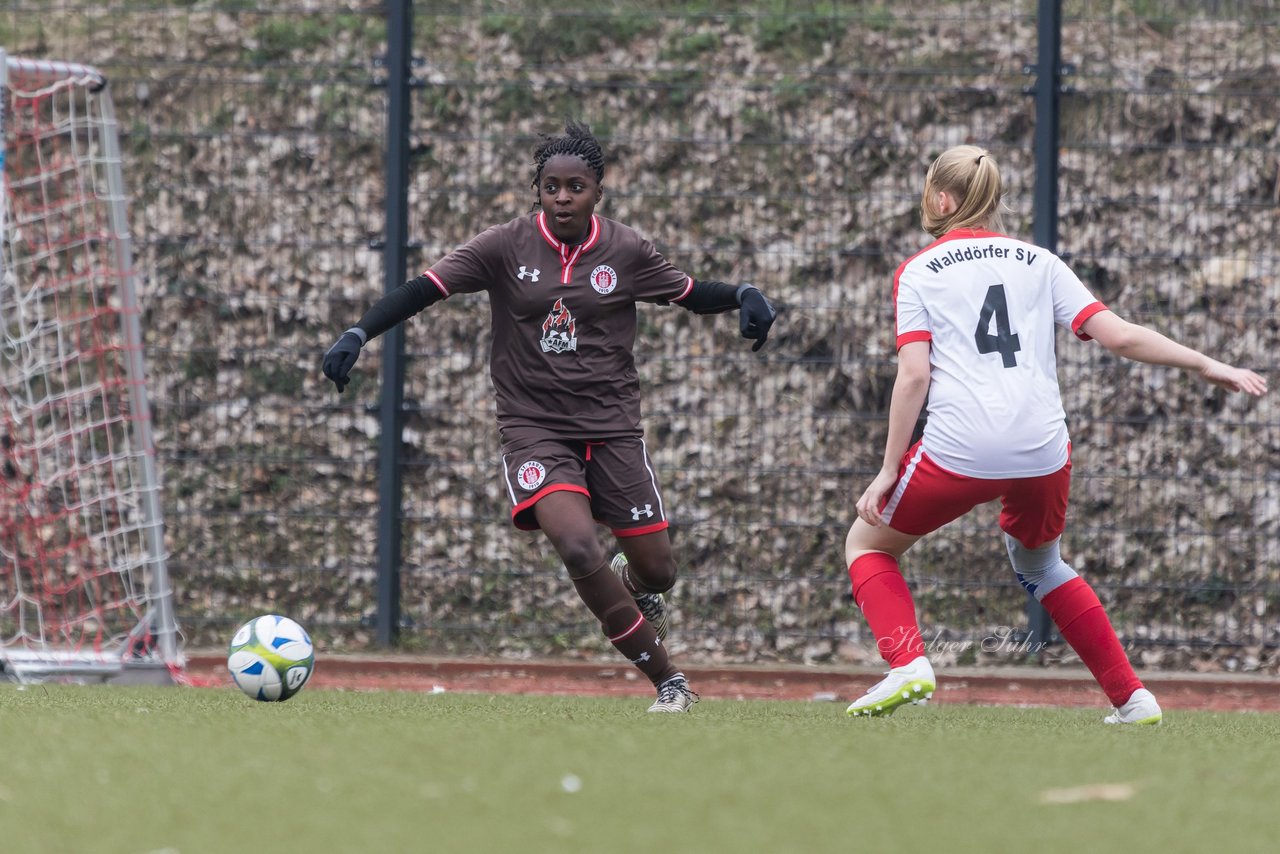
{"points": [[104, 770]]}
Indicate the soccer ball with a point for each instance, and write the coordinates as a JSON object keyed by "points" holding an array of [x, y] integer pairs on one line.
{"points": [[271, 658]]}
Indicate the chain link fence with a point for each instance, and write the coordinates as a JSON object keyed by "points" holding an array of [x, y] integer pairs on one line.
{"points": [[781, 143]]}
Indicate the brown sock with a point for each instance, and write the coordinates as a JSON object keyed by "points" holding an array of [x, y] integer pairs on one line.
{"points": [[629, 583], [623, 624], [639, 585]]}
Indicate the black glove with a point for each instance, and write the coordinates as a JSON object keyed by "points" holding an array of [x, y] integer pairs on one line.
{"points": [[341, 357], [755, 315]]}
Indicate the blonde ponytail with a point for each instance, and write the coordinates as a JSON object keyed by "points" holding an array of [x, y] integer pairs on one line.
{"points": [[969, 175]]}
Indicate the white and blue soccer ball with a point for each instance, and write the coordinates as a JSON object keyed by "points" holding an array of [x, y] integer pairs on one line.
{"points": [[271, 658]]}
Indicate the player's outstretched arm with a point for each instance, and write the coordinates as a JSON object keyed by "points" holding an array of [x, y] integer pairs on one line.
{"points": [[1141, 344], [393, 308], [755, 314]]}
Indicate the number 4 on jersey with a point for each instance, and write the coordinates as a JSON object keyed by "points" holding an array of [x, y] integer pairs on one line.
{"points": [[1005, 341]]}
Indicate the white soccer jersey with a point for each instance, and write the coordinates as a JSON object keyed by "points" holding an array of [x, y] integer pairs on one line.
{"points": [[988, 304]]}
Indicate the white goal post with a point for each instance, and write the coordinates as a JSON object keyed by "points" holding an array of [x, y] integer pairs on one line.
{"points": [[84, 590]]}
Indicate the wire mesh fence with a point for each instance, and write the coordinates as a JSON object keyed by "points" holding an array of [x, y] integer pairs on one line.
{"points": [[781, 143]]}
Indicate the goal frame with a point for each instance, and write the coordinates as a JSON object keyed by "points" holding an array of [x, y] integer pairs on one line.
{"points": [[150, 652]]}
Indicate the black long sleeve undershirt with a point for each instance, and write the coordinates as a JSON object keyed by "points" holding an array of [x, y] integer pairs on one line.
{"points": [[711, 297], [399, 305]]}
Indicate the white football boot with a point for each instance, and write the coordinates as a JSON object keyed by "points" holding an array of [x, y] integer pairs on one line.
{"points": [[913, 683], [1140, 708]]}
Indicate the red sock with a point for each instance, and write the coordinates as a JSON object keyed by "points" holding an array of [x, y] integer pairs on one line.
{"points": [[1084, 624], [881, 592]]}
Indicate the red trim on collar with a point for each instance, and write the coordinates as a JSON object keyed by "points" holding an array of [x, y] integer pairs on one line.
{"points": [[593, 237], [541, 220], [569, 256]]}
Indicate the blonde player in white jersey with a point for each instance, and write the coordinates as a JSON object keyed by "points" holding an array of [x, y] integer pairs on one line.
{"points": [[976, 312]]}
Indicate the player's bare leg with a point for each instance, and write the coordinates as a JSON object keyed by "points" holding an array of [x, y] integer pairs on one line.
{"points": [[565, 517], [647, 568]]}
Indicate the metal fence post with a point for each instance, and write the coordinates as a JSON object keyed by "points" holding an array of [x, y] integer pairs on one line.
{"points": [[1044, 222], [390, 487]]}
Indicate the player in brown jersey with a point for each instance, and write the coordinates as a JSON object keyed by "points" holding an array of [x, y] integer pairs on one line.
{"points": [[563, 284]]}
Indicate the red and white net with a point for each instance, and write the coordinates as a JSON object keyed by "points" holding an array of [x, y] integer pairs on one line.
{"points": [[79, 526]]}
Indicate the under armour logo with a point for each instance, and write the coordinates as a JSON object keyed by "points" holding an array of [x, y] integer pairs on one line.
{"points": [[644, 656], [637, 512], [532, 274]]}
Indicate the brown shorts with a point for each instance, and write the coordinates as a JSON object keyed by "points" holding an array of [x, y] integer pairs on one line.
{"points": [[616, 475]]}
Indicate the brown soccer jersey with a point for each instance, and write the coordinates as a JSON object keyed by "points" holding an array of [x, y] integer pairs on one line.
{"points": [[564, 321]]}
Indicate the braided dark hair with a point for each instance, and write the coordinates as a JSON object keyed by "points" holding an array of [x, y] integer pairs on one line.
{"points": [[577, 142]]}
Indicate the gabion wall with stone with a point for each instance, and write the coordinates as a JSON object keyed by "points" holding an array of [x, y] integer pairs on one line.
{"points": [[783, 144]]}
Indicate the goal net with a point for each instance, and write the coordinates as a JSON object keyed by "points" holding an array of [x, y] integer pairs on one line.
{"points": [[84, 593]]}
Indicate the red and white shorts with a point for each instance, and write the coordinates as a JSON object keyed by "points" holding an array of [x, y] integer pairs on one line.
{"points": [[927, 496]]}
